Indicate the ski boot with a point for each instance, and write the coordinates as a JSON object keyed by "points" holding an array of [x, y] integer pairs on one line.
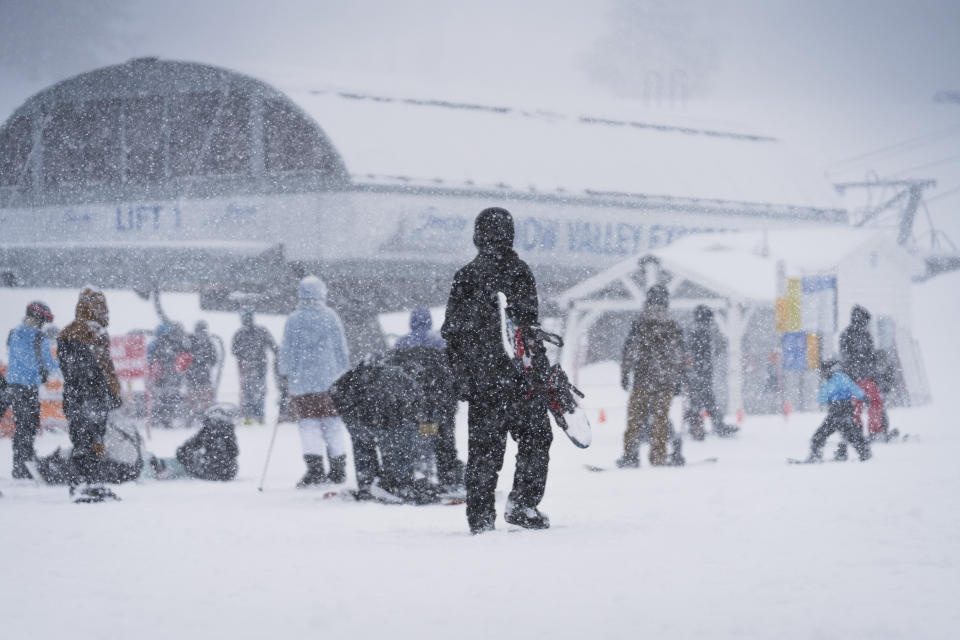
{"points": [[840, 455], [526, 517], [724, 430], [629, 460], [338, 470], [89, 494], [315, 474]]}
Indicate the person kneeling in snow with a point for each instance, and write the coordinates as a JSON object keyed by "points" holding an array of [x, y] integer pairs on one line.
{"points": [[210, 454], [838, 393], [121, 461], [381, 406]]}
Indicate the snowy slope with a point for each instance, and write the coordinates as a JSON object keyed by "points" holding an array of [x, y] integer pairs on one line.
{"points": [[746, 548]]}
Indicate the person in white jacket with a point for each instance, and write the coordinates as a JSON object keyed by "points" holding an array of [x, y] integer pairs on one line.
{"points": [[313, 355]]}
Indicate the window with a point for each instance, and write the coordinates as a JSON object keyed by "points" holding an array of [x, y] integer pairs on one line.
{"points": [[190, 117], [291, 142], [229, 150], [16, 141], [143, 136], [82, 143]]}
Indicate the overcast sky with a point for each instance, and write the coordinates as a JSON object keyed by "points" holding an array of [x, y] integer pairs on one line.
{"points": [[836, 79]]}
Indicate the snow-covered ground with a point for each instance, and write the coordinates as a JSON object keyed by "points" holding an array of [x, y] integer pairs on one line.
{"points": [[746, 547]]}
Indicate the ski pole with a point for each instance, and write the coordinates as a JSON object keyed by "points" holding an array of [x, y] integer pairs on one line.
{"points": [[266, 462]]}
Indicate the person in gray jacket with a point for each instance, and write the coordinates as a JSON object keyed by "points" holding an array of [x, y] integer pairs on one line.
{"points": [[313, 355]]}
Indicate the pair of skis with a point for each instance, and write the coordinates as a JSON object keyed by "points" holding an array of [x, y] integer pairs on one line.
{"points": [[524, 346]]}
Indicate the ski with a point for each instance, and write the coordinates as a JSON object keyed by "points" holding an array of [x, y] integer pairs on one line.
{"points": [[599, 469], [520, 344], [356, 495]]}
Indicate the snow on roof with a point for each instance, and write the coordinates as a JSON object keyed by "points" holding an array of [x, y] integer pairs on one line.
{"points": [[386, 140], [742, 265]]}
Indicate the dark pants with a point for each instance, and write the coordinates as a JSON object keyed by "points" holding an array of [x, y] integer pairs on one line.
{"points": [[87, 423], [840, 417], [395, 444], [26, 417], [445, 448], [253, 392], [490, 420], [702, 399]]}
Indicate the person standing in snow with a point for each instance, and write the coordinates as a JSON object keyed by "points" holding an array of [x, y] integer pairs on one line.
{"points": [[858, 358], [838, 393], [250, 346], [698, 380], [313, 355], [654, 354], [31, 361], [421, 354], [90, 391], [485, 377], [199, 374], [167, 360]]}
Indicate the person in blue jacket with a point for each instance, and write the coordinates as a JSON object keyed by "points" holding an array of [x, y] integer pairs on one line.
{"points": [[313, 355], [31, 361], [421, 333], [838, 393]]}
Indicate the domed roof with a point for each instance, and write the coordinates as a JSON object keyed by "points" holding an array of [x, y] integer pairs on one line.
{"points": [[161, 128]]}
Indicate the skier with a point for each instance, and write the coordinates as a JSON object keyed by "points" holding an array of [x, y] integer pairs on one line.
{"points": [[654, 353], [488, 381], [90, 391], [858, 359], [421, 354], [698, 380], [250, 346], [313, 355], [166, 355], [838, 393], [31, 361], [199, 378]]}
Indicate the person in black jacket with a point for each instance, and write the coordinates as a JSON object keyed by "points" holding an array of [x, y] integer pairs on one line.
{"points": [[858, 360], [698, 378], [90, 391], [485, 377], [199, 374], [250, 346]]}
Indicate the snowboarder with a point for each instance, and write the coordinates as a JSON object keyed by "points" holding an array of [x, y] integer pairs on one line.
{"points": [[210, 454], [313, 355], [489, 382], [858, 358], [90, 391], [199, 374], [698, 379], [838, 393], [654, 353], [250, 346], [381, 404], [31, 361], [421, 354]]}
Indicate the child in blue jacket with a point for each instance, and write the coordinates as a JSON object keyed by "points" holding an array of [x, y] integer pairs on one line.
{"points": [[837, 393]]}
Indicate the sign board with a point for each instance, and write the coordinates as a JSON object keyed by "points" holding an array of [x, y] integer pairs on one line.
{"points": [[129, 353]]}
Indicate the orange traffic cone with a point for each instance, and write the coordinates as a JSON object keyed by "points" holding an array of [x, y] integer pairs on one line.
{"points": [[739, 416], [602, 417]]}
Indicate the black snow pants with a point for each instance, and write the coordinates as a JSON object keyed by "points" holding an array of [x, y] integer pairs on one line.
{"points": [[490, 419], [840, 417], [88, 423], [253, 392], [449, 470], [702, 399], [26, 417], [396, 446]]}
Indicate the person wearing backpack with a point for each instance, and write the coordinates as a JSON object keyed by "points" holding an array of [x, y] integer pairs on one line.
{"points": [[31, 361]]}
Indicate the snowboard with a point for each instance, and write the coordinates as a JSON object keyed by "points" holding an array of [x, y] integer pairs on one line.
{"points": [[379, 496], [688, 463], [519, 344]]}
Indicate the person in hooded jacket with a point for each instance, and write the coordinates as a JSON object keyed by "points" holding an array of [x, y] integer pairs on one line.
{"points": [[250, 346], [90, 391], [858, 360], [654, 354], [313, 355], [421, 354], [489, 382], [199, 374], [30, 362], [698, 379]]}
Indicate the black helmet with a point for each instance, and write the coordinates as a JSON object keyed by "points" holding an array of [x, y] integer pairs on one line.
{"points": [[39, 311], [658, 296], [859, 315], [493, 228], [702, 314]]}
